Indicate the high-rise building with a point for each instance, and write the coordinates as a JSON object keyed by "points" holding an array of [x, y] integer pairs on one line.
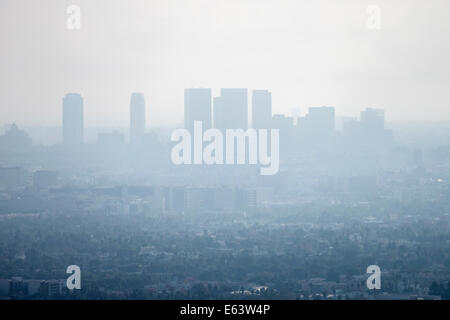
{"points": [[73, 123], [285, 125], [197, 107], [261, 109], [231, 109], [372, 127], [372, 119], [319, 122], [369, 131], [14, 138], [219, 114], [137, 118]]}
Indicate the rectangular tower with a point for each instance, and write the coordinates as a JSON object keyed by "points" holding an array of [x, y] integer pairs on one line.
{"points": [[231, 109], [137, 118], [261, 109], [197, 107], [73, 123]]}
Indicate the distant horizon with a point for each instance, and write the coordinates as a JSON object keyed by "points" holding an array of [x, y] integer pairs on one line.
{"points": [[306, 54], [180, 123], [152, 111], [425, 131]]}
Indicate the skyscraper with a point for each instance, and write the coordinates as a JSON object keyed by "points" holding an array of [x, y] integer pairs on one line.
{"points": [[73, 123], [319, 121], [231, 109], [372, 127], [372, 119], [369, 131], [261, 109], [197, 107], [286, 127], [137, 117]]}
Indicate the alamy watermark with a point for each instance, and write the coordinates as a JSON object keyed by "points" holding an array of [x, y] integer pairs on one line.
{"points": [[74, 280], [373, 17], [374, 280], [213, 153], [74, 19]]}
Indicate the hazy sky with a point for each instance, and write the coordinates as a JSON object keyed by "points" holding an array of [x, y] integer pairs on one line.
{"points": [[308, 53]]}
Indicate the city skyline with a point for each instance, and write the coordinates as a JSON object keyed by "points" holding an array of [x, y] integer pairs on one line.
{"points": [[232, 109], [258, 105], [125, 123], [308, 55], [229, 153], [199, 105]]}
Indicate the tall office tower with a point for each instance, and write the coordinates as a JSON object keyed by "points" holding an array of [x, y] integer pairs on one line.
{"points": [[231, 109], [73, 123], [285, 125], [137, 118], [372, 119], [320, 120], [197, 107], [372, 127], [261, 109], [282, 122]]}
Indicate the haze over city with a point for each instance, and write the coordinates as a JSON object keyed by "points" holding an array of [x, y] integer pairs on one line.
{"points": [[224, 150], [307, 55]]}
